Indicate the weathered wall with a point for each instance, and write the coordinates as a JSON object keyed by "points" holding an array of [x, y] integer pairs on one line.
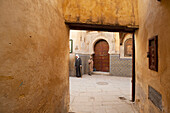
{"points": [[34, 57], [85, 58], [85, 66], [72, 70], [154, 19], [114, 12]]}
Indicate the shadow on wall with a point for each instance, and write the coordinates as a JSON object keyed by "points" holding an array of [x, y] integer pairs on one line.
{"points": [[84, 58]]}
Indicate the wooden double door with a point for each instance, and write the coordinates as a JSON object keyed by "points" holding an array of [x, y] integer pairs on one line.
{"points": [[101, 56]]}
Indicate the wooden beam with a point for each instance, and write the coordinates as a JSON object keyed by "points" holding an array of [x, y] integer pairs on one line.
{"points": [[100, 27]]}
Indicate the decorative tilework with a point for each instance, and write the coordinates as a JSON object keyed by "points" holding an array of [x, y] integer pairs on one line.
{"points": [[120, 67]]}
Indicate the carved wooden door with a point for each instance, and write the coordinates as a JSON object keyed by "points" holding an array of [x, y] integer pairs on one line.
{"points": [[101, 56]]}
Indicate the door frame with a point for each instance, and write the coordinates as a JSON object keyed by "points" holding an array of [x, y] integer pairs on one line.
{"points": [[133, 69], [108, 53], [110, 28]]}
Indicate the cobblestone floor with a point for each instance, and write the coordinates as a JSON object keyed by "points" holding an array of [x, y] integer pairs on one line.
{"points": [[100, 94]]}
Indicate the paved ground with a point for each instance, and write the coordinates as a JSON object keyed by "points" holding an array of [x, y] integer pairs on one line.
{"points": [[100, 94]]}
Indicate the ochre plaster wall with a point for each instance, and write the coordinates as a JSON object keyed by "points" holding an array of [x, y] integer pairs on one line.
{"points": [[34, 57], [154, 19], [114, 12]]}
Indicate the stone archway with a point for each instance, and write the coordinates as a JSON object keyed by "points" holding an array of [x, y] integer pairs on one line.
{"points": [[101, 56], [97, 38], [128, 47]]}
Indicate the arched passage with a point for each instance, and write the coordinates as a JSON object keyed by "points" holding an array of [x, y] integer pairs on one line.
{"points": [[97, 38], [128, 48], [101, 56]]}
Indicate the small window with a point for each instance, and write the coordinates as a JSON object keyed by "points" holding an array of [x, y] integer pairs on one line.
{"points": [[128, 48], [153, 53]]}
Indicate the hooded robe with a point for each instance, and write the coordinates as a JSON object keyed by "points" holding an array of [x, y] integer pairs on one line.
{"points": [[78, 63]]}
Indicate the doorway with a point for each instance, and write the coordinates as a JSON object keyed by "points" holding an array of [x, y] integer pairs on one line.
{"points": [[103, 45], [77, 89], [101, 56]]}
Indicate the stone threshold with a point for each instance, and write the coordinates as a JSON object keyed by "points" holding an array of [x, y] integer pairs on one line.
{"points": [[100, 73]]}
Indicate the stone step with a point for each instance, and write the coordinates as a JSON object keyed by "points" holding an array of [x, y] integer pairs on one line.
{"points": [[100, 73]]}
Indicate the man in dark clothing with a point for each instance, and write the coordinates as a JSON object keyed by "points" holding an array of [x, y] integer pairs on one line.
{"points": [[78, 65]]}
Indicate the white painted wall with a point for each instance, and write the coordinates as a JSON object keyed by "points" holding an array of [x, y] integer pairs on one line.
{"points": [[128, 36], [84, 41]]}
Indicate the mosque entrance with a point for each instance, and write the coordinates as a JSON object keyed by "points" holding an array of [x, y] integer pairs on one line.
{"points": [[101, 56]]}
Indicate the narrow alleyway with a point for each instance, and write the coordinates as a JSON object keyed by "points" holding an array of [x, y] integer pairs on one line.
{"points": [[100, 94]]}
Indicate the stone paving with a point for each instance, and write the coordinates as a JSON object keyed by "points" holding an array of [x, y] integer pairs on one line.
{"points": [[101, 94]]}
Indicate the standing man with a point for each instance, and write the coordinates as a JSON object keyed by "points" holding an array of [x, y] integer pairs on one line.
{"points": [[78, 65], [90, 61]]}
